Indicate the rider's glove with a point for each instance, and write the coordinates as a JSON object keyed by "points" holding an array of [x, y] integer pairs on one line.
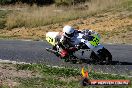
{"points": [[78, 47]]}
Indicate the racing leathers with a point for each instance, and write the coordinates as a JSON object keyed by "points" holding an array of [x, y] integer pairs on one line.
{"points": [[66, 43]]}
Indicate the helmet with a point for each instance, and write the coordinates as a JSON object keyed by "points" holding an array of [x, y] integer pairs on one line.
{"points": [[68, 31]]}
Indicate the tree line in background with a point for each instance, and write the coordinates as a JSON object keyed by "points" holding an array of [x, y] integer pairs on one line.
{"points": [[43, 2]]}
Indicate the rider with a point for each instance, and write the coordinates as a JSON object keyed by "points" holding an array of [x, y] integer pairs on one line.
{"points": [[69, 39]]}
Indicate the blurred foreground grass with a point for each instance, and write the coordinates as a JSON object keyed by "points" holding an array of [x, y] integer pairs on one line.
{"points": [[54, 77]]}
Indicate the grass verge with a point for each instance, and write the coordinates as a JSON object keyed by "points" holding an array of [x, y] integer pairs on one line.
{"points": [[52, 77]]}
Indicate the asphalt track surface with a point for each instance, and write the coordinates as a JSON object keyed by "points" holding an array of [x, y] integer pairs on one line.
{"points": [[34, 52]]}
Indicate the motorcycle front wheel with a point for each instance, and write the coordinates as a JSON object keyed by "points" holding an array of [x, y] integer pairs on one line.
{"points": [[104, 56]]}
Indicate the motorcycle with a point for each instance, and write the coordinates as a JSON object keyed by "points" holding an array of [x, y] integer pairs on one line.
{"points": [[99, 54]]}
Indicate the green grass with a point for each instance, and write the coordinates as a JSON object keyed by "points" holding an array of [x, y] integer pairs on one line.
{"points": [[40, 82], [48, 70], [51, 77]]}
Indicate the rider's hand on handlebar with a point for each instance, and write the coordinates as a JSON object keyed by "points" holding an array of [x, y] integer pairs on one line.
{"points": [[77, 47], [73, 49]]}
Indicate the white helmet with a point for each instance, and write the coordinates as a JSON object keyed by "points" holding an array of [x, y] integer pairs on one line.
{"points": [[68, 31]]}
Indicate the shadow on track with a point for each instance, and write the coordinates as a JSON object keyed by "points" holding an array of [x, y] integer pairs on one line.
{"points": [[120, 63]]}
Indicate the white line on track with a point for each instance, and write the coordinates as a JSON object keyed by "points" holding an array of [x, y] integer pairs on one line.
{"points": [[13, 62]]}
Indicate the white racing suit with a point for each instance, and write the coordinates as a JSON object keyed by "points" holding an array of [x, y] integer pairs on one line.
{"points": [[65, 43]]}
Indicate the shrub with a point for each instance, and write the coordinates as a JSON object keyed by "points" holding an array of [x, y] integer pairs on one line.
{"points": [[68, 2], [63, 2], [5, 1], [30, 2], [44, 2]]}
